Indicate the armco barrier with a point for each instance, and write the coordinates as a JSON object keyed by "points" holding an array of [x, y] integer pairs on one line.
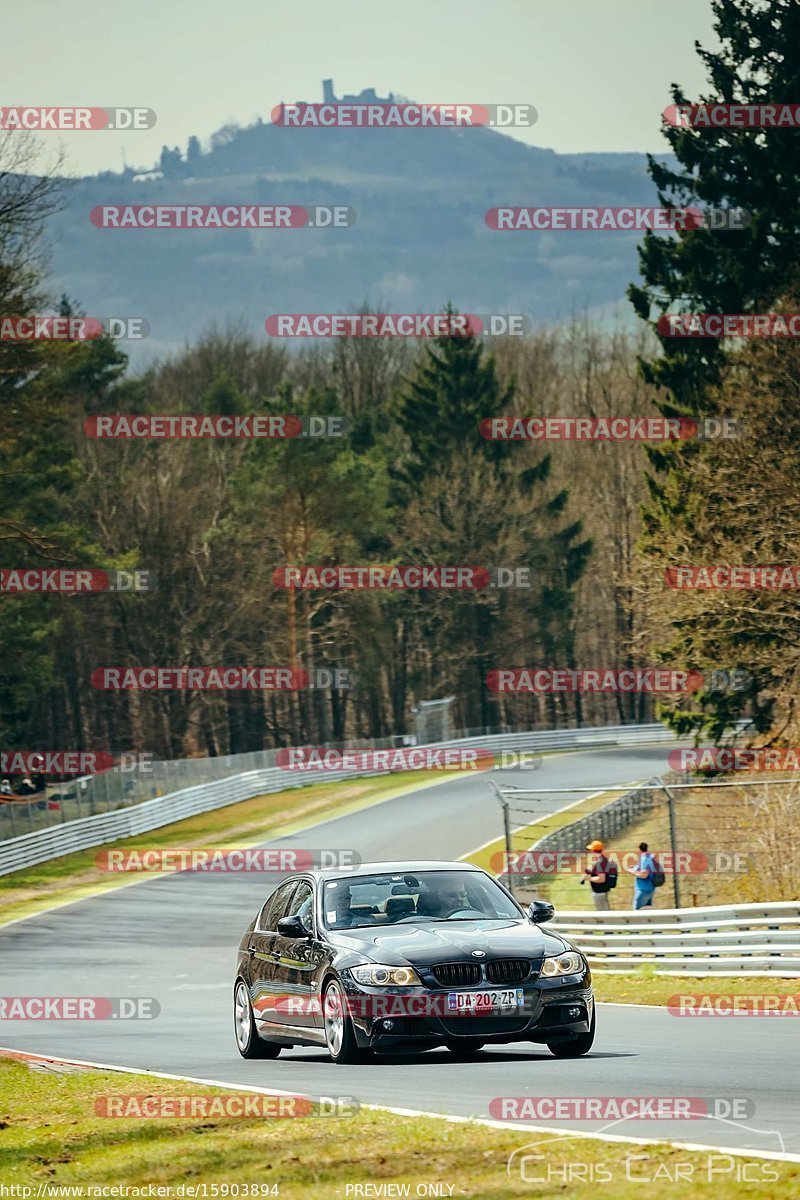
{"points": [[28, 849], [737, 939]]}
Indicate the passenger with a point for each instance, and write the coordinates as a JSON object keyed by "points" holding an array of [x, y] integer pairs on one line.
{"points": [[345, 917]]}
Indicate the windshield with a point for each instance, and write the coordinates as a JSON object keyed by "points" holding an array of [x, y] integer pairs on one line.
{"points": [[367, 900]]}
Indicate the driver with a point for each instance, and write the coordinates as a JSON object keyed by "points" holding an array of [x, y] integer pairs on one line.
{"points": [[448, 898]]}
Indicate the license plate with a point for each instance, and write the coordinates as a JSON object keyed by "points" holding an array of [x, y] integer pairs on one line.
{"points": [[470, 1002]]}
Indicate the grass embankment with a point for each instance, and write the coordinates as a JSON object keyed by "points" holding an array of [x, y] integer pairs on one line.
{"points": [[739, 835], [50, 1135], [524, 836], [248, 823], [745, 833]]}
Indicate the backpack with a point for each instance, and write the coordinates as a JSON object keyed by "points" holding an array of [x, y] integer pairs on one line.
{"points": [[610, 880], [657, 876]]}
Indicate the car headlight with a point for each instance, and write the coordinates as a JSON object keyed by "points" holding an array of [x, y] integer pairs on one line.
{"points": [[569, 963], [378, 975]]}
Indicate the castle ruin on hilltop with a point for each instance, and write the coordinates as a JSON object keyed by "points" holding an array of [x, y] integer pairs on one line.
{"points": [[367, 96]]}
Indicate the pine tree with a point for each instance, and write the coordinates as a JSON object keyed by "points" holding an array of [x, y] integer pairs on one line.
{"points": [[466, 501], [732, 271], [453, 388], [749, 270]]}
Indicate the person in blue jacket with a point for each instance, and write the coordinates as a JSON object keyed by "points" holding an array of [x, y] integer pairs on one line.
{"points": [[644, 887]]}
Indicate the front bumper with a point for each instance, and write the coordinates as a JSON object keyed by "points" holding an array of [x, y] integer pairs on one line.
{"points": [[553, 1010]]}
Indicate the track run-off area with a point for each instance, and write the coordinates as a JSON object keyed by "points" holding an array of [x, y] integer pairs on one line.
{"points": [[173, 937]]}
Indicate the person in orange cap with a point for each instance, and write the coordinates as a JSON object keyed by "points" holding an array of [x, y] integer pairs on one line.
{"points": [[602, 876]]}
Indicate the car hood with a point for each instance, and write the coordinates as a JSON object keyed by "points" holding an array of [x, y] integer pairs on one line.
{"points": [[445, 941]]}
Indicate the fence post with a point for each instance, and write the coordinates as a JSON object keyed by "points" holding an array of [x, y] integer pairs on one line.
{"points": [[506, 832], [673, 843]]}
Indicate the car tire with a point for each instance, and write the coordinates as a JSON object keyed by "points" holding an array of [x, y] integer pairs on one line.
{"points": [[465, 1047], [340, 1037], [248, 1042], [574, 1047]]}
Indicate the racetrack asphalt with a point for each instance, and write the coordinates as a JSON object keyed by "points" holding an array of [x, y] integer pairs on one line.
{"points": [[174, 937]]}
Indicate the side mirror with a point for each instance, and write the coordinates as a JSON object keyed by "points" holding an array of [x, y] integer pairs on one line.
{"points": [[292, 927], [540, 911]]}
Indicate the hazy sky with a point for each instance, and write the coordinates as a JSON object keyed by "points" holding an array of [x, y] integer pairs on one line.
{"points": [[598, 71]]}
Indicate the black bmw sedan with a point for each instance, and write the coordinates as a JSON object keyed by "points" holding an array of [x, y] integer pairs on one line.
{"points": [[411, 955]]}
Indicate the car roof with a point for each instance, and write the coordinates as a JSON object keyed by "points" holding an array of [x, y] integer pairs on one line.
{"points": [[396, 868]]}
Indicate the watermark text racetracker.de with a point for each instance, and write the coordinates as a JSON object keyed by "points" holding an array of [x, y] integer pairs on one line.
{"points": [[729, 325], [621, 1108], [525, 863], [733, 116], [400, 325], [414, 758], [607, 429], [412, 577], [79, 1008], [160, 426], [633, 680], [71, 762], [233, 1104], [736, 758], [47, 118], [222, 216], [216, 860], [73, 580], [77, 763], [37, 328], [725, 1004], [599, 219], [727, 577], [205, 1106], [379, 114], [221, 679], [389, 1006]]}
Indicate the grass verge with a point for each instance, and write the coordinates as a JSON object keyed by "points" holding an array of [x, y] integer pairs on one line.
{"points": [[52, 1136], [645, 987], [248, 823]]}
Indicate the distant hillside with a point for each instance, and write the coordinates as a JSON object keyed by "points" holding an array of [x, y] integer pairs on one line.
{"points": [[419, 240]]}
